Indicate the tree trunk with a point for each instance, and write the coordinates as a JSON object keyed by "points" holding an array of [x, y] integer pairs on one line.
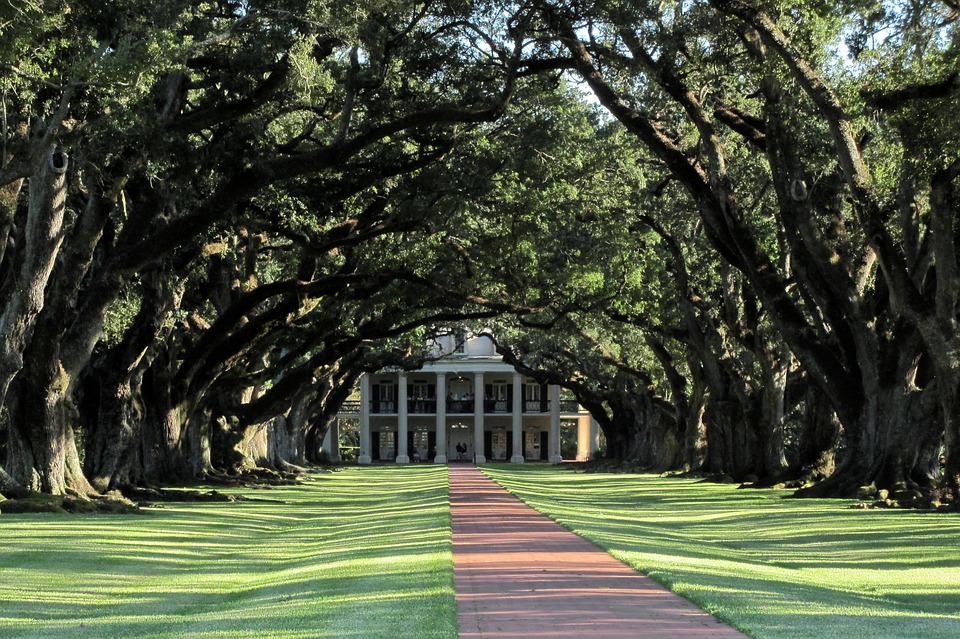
{"points": [[114, 435], [42, 239], [688, 409], [164, 427], [772, 434], [286, 442], [199, 447], [818, 440], [950, 483], [335, 385], [228, 445], [313, 442], [658, 442], [114, 430], [615, 425], [9, 196], [42, 453], [883, 449], [695, 433], [731, 442]]}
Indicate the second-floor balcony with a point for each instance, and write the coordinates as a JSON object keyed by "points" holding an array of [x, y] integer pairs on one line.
{"points": [[459, 407]]}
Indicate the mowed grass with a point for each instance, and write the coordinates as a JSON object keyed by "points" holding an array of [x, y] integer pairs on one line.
{"points": [[775, 568], [354, 553]]}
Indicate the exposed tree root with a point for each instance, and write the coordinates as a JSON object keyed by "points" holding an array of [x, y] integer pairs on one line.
{"points": [[793, 478], [28, 502], [146, 496]]}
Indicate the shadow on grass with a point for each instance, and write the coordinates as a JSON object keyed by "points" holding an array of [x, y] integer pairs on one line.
{"points": [[773, 567], [358, 553]]}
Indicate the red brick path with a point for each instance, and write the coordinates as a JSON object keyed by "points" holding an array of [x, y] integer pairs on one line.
{"points": [[519, 575]]}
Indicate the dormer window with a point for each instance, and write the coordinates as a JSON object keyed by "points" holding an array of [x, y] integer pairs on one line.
{"points": [[460, 342]]}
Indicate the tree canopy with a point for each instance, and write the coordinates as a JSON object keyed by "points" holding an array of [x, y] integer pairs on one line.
{"points": [[728, 227]]}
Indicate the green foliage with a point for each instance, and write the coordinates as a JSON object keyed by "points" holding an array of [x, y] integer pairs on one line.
{"points": [[119, 317]]}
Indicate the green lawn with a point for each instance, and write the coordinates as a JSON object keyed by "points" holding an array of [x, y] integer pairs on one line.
{"points": [[354, 553], [776, 568]]}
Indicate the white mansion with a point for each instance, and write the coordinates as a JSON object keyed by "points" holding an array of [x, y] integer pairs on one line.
{"points": [[466, 405]]}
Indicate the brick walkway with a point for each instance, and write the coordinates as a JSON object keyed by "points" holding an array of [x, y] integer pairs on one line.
{"points": [[519, 575]]}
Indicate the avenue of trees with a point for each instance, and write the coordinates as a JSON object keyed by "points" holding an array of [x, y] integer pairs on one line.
{"points": [[728, 227]]}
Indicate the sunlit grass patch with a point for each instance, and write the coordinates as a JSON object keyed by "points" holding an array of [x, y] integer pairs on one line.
{"points": [[364, 552], [776, 568]]}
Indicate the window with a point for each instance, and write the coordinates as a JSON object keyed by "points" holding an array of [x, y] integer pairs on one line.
{"points": [[386, 397], [421, 444], [388, 442], [497, 398], [422, 390], [531, 398], [531, 392], [422, 397]]}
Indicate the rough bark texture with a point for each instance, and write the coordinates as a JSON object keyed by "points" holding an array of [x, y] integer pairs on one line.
{"points": [[42, 453], [658, 442], [164, 426], [113, 441], [9, 195], [772, 421], [817, 445], [846, 362], [42, 239], [116, 416]]}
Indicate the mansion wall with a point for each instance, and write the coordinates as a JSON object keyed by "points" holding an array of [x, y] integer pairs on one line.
{"points": [[466, 406]]}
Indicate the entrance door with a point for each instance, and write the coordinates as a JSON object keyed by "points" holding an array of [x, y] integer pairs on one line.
{"points": [[531, 445], [459, 436]]}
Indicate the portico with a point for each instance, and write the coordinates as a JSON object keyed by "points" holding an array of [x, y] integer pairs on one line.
{"points": [[471, 399]]}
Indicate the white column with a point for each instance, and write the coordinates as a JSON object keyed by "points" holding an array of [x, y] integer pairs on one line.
{"points": [[594, 436], [325, 444], [402, 426], [441, 457], [517, 424], [364, 457], [553, 441], [478, 455], [588, 438], [331, 441]]}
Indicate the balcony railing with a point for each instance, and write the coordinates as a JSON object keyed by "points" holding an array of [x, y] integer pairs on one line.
{"points": [[350, 406], [569, 406], [422, 406], [494, 406], [458, 407]]}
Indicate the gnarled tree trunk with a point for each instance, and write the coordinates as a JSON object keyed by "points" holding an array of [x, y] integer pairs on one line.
{"points": [[42, 453]]}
